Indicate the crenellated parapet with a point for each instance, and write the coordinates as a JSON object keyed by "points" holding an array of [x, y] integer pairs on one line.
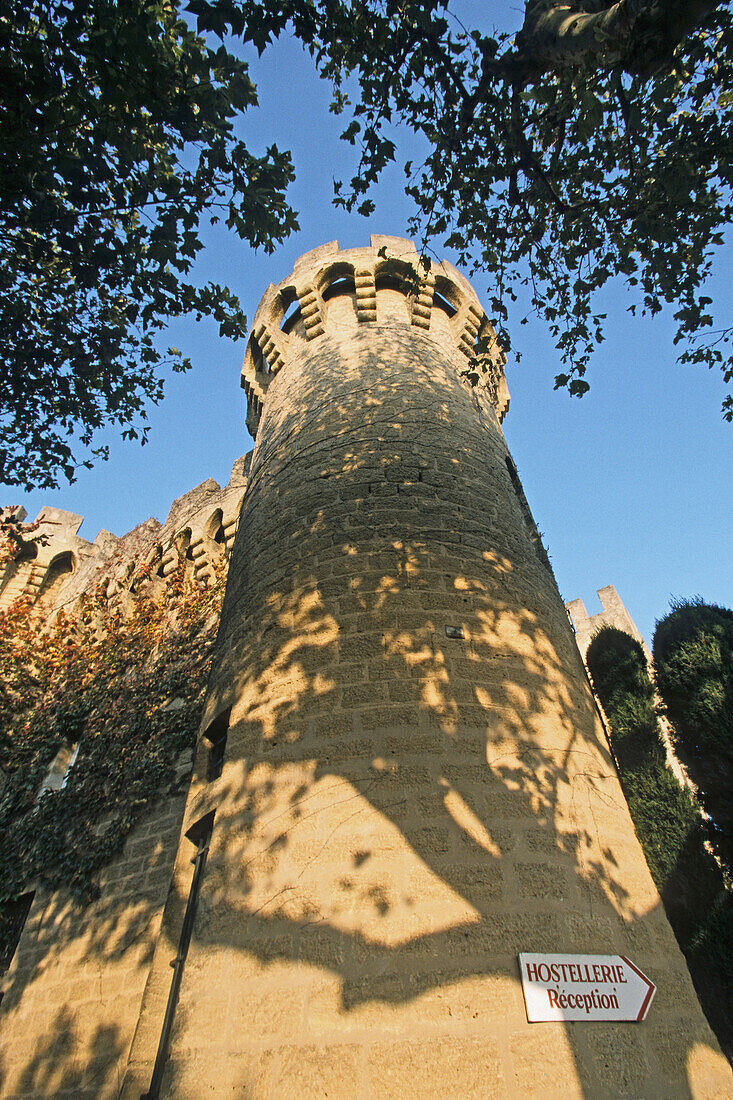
{"points": [[332, 290], [56, 566], [49, 555]]}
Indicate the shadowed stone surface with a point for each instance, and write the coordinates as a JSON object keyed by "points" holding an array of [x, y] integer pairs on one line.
{"points": [[401, 811]]}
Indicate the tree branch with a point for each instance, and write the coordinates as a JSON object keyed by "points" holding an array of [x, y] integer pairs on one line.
{"points": [[638, 36]]}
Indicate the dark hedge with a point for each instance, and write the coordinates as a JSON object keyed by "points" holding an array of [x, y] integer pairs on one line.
{"points": [[693, 660], [668, 823]]}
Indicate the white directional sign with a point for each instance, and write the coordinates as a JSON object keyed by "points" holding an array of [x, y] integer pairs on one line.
{"points": [[584, 987]]}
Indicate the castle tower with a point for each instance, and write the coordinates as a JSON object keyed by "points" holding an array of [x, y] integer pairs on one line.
{"points": [[402, 781]]}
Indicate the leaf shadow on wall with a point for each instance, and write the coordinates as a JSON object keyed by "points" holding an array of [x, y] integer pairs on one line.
{"points": [[401, 813]]}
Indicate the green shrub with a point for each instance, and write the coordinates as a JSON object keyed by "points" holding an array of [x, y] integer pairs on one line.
{"points": [[666, 817], [668, 823], [693, 660], [620, 677]]}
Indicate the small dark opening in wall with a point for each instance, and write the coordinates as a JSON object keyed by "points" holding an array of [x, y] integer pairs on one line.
{"points": [[439, 302], [215, 527], [200, 832], [13, 915], [216, 735], [157, 561], [261, 364], [344, 284], [513, 474]]}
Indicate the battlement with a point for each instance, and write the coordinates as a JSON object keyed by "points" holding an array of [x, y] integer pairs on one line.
{"points": [[614, 613], [332, 290], [57, 566]]}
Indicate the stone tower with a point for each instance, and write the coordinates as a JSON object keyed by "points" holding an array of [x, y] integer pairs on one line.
{"points": [[402, 781]]}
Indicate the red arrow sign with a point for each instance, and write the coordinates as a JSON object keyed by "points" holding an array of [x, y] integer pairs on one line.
{"points": [[584, 987]]}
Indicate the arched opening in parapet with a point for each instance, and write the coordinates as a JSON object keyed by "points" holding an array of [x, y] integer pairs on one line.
{"points": [[391, 282], [446, 300], [338, 293], [261, 363], [214, 535], [127, 581], [56, 574], [27, 552], [335, 280], [344, 284], [291, 316], [446, 296], [184, 551], [183, 544], [155, 562], [396, 281], [441, 302], [393, 289]]}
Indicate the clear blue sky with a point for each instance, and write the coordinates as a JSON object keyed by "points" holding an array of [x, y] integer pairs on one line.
{"points": [[630, 485]]}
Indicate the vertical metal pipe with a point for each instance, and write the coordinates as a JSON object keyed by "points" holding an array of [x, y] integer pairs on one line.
{"points": [[202, 835]]}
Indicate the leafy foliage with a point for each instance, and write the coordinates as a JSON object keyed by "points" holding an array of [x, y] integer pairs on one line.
{"points": [[693, 661], [668, 823], [593, 144], [128, 689], [117, 124], [621, 681]]}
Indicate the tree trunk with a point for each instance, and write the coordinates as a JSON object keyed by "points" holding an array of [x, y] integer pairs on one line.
{"points": [[639, 36]]}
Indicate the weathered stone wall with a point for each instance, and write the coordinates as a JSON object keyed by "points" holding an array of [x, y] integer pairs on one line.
{"points": [[71, 998], [615, 614], [415, 786], [73, 992]]}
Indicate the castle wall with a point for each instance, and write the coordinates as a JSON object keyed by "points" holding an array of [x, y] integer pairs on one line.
{"points": [[73, 992], [415, 783], [72, 995], [613, 613], [200, 526]]}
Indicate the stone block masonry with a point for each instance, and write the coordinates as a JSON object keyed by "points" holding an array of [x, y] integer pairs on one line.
{"points": [[412, 783], [400, 782], [72, 995]]}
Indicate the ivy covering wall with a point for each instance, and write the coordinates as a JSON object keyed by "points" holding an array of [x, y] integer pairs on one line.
{"points": [[671, 828], [123, 683]]}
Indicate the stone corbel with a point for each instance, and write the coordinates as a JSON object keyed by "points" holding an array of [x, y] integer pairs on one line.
{"points": [[271, 345], [254, 383], [366, 294], [422, 305], [471, 319], [311, 311]]}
